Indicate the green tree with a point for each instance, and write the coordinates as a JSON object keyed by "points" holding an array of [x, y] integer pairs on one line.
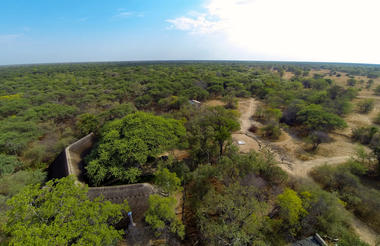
{"points": [[233, 217], [161, 216], [314, 117], [167, 181], [366, 106], [291, 208], [60, 213], [126, 145], [210, 128], [87, 123]]}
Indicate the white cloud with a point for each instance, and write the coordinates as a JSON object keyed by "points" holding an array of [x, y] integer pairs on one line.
{"points": [[123, 13], [8, 38], [314, 30], [198, 24]]}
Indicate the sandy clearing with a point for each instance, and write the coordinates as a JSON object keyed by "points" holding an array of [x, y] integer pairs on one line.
{"points": [[214, 103], [297, 168]]}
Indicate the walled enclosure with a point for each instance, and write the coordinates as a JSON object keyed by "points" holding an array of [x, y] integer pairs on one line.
{"points": [[70, 162]]}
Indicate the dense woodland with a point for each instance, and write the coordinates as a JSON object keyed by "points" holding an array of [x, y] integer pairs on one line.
{"points": [[139, 111]]}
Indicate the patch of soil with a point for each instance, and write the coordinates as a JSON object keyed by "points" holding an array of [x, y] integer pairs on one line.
{"points": [[214, 103]]}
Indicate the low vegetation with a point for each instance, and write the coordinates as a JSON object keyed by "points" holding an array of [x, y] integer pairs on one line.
{"points": [[345, 181]]}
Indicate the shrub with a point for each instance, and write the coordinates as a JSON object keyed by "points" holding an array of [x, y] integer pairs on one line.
{"points": [[8, 164], [364, 135], [376, 120], [365, 106], [377, 90], [253, 129], [271, 131], [351, 82], [161, 216]]}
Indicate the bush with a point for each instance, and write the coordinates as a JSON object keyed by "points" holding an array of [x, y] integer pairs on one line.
{"points": [[376, 120], [8, 164], [87, 123], [351, 82], [253, 129], [365, 106], [377, 90], [364, 135], [271, 131], [161, 216], [167, 181]]}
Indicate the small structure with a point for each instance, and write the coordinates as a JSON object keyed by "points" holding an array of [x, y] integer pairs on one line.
{"points": [[240, 142], [314, 240], [70, 162], [131, 219], [195, 103]]}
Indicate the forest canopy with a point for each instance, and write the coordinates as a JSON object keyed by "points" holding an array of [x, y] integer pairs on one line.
{"points": [[127, 144]]}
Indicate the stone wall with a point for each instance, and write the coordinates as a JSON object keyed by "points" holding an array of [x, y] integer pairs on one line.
{"points": [[74, 156], [70, 162]]}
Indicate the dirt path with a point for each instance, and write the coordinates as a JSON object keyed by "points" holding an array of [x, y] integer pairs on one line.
{"points": [[247, 108], [297, 168], [366, 234]]}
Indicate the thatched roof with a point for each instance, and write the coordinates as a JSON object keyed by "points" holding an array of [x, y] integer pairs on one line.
{"points": [[137, 196], [314, 240]]}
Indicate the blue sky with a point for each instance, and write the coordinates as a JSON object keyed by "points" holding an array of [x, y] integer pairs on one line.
{"points": [[42, 31]]}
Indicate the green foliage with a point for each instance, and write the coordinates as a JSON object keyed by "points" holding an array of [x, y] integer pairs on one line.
{"points": [[126, 145], [377, 90], [291, 208], [16, 134], [167, 181], [8, 164], [314, 117], [60, 214], [118, 111], [209, 128], [316, 138], [230, 101], [364, 135], [271, 131], [172, 103], [351, 82], [48, 111], [376, 120], [366, 106], [342, 181], [87, 123], [161, 216], [233, 216], [369, 83], [12, 184]]}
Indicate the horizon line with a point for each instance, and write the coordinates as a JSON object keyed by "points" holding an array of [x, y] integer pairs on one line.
{"points": [[186, 60]]}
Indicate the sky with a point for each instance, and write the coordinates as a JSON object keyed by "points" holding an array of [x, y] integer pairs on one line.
{"points": [[44, 31]]}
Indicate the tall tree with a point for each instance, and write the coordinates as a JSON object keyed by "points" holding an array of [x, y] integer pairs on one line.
{"points": [[60, 213], [126, 145]]}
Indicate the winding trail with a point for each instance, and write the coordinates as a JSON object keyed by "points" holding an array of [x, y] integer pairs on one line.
{"points": [[297, 168]]}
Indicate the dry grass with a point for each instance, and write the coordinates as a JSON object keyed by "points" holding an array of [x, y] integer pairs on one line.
{"points": [[214, 103]]}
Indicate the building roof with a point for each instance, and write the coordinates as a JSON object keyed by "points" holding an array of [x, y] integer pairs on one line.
{"points": [[137, 196], [314, 240]]}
